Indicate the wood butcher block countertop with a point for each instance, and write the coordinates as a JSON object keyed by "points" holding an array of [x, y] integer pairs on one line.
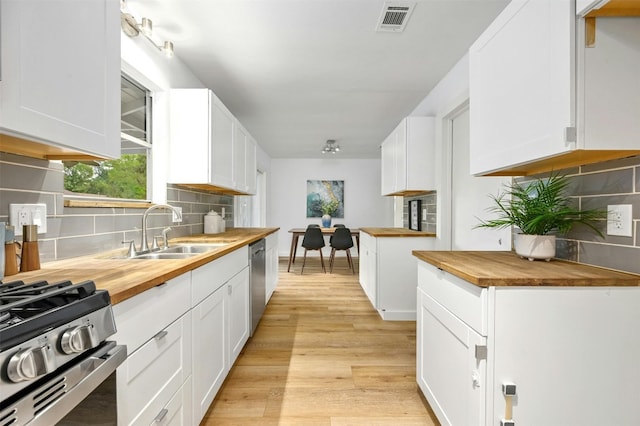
{"points": [[497, 268], [396, 232], [125, 278]]}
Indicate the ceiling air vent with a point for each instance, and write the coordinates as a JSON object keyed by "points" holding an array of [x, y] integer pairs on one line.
{"points": [[394, 16]]}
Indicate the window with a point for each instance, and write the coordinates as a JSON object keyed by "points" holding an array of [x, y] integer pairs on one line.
{"points": [[126, 177]]}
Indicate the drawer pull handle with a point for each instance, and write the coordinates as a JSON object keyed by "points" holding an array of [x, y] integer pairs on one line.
{"points": [[161, 335], [161, 415]]}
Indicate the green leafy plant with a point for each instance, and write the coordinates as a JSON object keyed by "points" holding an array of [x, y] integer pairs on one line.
{"points": [[329, 207], [540, 207]]}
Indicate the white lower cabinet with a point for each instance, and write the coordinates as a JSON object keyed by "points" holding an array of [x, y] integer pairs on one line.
{"points": [[209, 354], [182, 339], [271, 259], [456, 395], [368, 266], [221, 324], [156, 327], [571, 352], [388, 273]]}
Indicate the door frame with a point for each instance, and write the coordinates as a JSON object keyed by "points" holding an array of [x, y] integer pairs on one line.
{"points": [[444, 168]]}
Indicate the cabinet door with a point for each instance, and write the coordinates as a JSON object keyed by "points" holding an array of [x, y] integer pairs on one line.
{"points": [[400, 156], [209, 350], [271, 265], [448, 372], [222, 123], [369, 267], [62, 90], [388, 152], [239, 315], [190, 133], [251, 166], [240, 158], [522, 85], [572, 353]]}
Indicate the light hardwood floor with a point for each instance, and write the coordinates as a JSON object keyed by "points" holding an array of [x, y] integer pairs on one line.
{"points": [[321, 355]]}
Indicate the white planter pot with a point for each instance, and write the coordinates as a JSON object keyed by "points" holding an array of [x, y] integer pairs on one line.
{"points": [[535, 246]]}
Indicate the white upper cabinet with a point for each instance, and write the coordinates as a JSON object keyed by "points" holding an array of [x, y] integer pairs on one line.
{"points": [[244, 160], [201, 139], [407, 157], [209, 147], [62, 92], [239, 156], [251, 166], [542, 100]]}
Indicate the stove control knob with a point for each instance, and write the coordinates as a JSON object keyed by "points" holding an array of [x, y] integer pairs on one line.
{"points": [[79, 339], [31, 363]]}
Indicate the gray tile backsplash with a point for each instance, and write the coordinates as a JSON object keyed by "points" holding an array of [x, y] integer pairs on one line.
{"points": [[429, 203], [79, 231], [76, 231], [597, 186]]}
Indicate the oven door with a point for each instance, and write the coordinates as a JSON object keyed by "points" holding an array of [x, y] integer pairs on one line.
{"points": [[60, 397]]}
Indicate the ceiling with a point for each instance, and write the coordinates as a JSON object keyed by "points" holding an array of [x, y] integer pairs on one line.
{"points": [[299, 72]]}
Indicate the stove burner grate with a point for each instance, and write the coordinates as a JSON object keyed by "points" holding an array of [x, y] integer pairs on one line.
{"points": [[27, 309]]}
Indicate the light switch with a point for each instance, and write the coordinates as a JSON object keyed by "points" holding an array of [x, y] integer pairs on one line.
{"points": [[424, 214]]}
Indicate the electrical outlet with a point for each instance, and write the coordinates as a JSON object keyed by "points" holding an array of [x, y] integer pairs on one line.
{"points": [[28, 214], [620, 220], [175, 217]]}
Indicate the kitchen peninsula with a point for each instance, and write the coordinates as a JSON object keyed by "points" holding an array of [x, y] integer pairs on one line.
{"points": [[503, 338], [387, 269]]}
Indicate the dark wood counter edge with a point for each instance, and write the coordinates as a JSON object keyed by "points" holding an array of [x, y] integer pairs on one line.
{"points": [[396, 232], [617, 278], [157, 271]]}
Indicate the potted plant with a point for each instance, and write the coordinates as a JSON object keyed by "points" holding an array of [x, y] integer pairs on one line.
{"points": [[537, 209], [328, 208]]}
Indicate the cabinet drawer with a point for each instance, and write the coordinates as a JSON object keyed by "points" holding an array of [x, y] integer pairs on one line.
{"points": [[178, 411], [154, 373], [142, 316], [466, 301], [208, 278]]}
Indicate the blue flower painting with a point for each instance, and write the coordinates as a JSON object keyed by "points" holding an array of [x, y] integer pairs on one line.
{"points": [[321, 192]]}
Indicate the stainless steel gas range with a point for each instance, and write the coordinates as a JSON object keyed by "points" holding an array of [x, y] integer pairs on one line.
{"points": [[53, 349]]}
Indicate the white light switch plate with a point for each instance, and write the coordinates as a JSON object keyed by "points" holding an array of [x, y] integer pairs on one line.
{"points": [[28, 214], [620, 220]]}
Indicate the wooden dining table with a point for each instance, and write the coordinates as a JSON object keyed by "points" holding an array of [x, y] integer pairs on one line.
{"points": [[296, 233]]}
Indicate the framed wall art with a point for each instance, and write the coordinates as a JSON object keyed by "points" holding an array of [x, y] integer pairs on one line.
{"points": [[323, 194], [414, 215]]}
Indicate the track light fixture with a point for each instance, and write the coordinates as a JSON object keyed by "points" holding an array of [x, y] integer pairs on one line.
{"points": [[132, 29], [331, 146]]}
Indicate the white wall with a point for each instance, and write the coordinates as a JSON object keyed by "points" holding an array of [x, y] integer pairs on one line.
{"points": [[363, 204], [448, 99]]}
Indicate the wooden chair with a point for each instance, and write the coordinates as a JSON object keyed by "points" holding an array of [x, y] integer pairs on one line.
{"points": [[313, 240], [341, 240]]}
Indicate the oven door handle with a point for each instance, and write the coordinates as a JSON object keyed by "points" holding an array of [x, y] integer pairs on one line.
{"points": [[95, 369]]}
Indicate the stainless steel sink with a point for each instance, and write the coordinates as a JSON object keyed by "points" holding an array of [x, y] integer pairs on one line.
{"points": [[193, 248], [164, 255], [181, 251]]}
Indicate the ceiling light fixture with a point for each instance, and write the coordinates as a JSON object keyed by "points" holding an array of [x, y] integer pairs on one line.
{"points": [[132, 29], [330, 146]]}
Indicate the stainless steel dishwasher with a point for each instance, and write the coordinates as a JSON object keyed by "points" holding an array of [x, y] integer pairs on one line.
{"points": [[258, 291]]}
